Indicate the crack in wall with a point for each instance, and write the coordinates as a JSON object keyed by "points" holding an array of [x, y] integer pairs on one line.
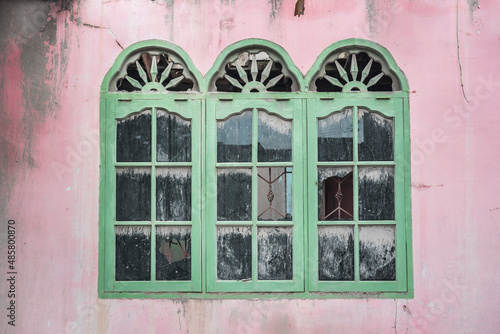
{"points": [[458, 57]]}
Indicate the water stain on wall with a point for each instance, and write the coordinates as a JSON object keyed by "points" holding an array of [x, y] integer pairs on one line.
{"points": [[275, 8], [29, 29]]}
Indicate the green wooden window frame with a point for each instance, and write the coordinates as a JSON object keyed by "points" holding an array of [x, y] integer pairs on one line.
{"points": [[229, 90]]}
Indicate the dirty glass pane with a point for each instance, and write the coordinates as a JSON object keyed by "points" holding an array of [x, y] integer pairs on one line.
{"points": [[335, 137], [234, 138], [377, 253], [234, 194], [133, 253], [275, 253], [173, 194], [335, 193], [275, 193], [133, 138], [375, 137], [234, 253], [376, 193], [173, 136], [133, 193], [336, 253], [173, 253], [275, 138]]}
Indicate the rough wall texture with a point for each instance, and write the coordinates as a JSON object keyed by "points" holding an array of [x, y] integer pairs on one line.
{"points": [[53, 57]]}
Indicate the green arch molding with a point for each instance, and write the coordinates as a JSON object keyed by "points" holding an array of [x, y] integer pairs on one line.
{"points": [[133, 52], [378, 53], [231, 52]]}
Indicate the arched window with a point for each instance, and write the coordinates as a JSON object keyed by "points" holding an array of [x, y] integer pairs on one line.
{"points": [[254, 178], [358, 170]]}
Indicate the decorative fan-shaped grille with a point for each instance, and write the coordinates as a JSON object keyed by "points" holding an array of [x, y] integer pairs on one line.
{"points": [[254, 72], [154, 73], [353, 72]]}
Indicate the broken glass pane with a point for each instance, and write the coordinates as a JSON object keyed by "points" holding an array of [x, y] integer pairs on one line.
{"points": [[275, 193], [275, 253], [173, 253], [234, 253], [133, 253], [336, 253], [335, 193], [376, 193], [275, 138], [234, 194], [335, 137], [375, 137], [377, 253], [173, 138], [133, 193], [133, 138], [234, 138], [173, 194]]}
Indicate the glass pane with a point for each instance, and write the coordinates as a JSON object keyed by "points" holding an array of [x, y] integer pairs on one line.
{"points": [[234, 194], [375, 137], [234, 138], [133, 253], [275, 193], [133, 138], [275, 138], [173, 253], [173, 194], [377, 253], [173, 137], [376, 193], [133, 193], [335, 137], [275, 251], [234, 253], [336, 253], [335, 193]]}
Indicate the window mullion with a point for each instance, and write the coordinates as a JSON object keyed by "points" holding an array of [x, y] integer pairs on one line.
{"points": [[255, 192], [153, 196], [355, 191]]}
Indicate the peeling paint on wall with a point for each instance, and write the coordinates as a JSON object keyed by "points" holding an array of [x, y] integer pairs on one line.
{"points": [[29, 30]]}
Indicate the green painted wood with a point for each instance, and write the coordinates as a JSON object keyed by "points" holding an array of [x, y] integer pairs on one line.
{"points": [[220, 110], [204, 109]]}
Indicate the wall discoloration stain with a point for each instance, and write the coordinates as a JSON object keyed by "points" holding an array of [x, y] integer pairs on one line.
{"points": [[30, 30], [371, 15], [275, 8], [473, 6]]}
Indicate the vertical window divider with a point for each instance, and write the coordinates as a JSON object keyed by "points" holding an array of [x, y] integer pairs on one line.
{"points": [[355, 191], [255, 191], [153, 195]]}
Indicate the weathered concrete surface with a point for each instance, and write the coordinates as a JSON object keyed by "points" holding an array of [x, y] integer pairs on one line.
{"points": [[53, 57]]}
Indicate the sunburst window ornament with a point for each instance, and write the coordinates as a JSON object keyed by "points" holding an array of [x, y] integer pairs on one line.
{"points": [[352, 83], [149, 77], [252, 84]]}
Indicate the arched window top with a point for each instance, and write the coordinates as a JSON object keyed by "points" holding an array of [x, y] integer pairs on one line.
{"points": [[254, 65], [151, 66], [356, 65]]}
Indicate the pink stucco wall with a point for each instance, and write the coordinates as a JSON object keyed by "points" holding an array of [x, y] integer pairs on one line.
{"points": [[53, 58]]}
